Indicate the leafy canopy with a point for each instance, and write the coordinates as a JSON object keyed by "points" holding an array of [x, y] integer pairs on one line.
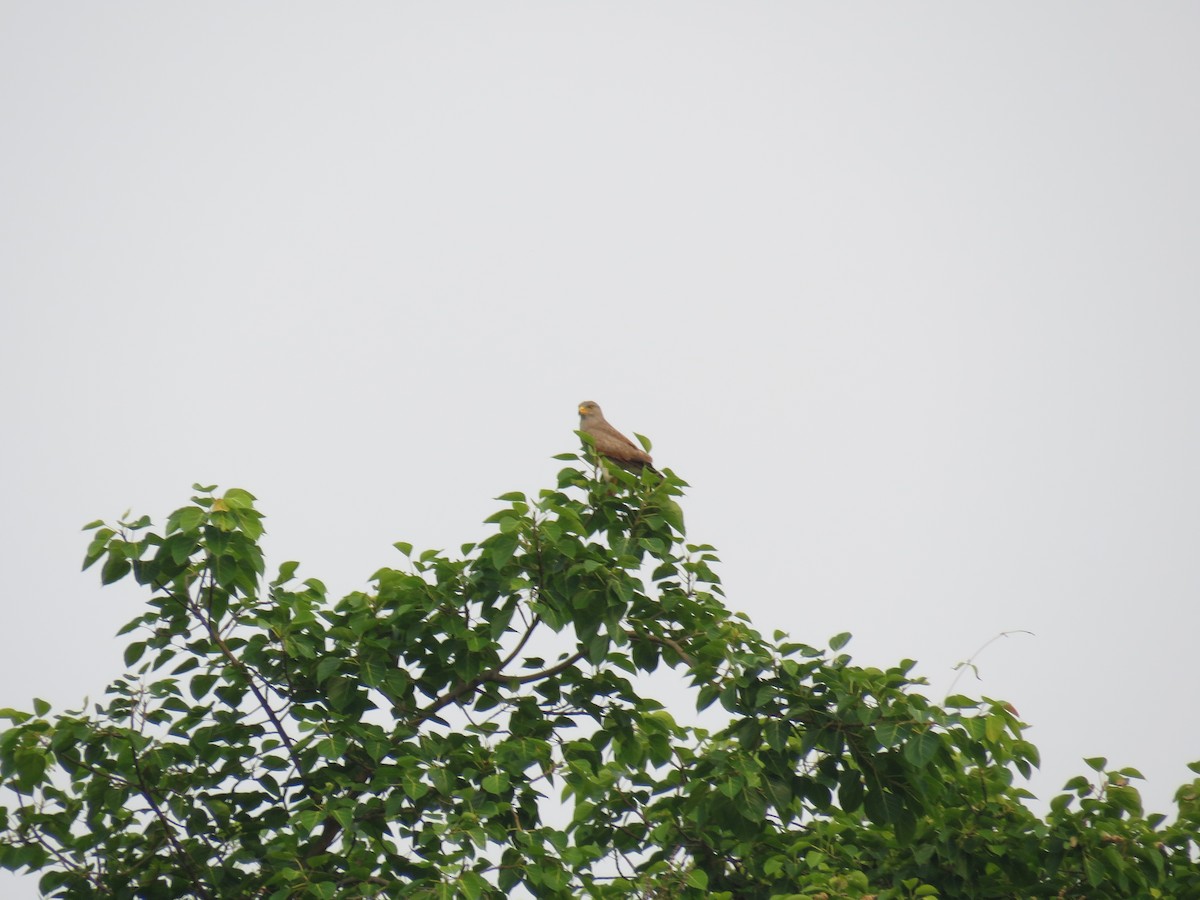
{"points": [[480, 725]]}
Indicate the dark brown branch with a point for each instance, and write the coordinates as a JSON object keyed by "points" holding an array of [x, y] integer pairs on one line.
{"points": [[39, 837], [537, 620], [545, 673], [494, 674], [332, 827], [180, 854], [664, 642], [215, 634]]}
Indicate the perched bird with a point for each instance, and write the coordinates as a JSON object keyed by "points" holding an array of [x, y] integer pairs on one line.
{"points": [[609, 442]]}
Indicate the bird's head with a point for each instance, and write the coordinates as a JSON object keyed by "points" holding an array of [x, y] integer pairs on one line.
{"points": [[590, 408]]}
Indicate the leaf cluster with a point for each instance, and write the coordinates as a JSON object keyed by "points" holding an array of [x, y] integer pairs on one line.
{"points": [[480, 724]]}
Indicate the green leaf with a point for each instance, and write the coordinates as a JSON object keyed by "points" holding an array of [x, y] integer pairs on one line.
{"points": [[250, 521], [850, 790], [309, 819], [286, 571], [188, 518], [838, 641], [201, 685], [993, 728], [752, 805], [673, 513], [31, 768], [960, 701], [921, 749], [472, 885], [1078, 784], [597, 648], [115, 568], [501, 548], [698, 879], [40, 706], [97, 547], [327, 667], [1059, 803], [236, 498], [1096, 762], [508, 524], [134, 652]]}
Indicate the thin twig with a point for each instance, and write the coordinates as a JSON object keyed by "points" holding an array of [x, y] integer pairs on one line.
{"points": [[969, 662]]}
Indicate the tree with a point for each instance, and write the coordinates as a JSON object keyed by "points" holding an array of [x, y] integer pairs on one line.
{"points": [[480, 725]]}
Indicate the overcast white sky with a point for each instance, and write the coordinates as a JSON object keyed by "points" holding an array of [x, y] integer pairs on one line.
{"points": [[908, 293]]}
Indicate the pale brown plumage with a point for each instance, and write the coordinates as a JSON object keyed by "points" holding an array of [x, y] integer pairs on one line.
{"points": [[609, 442]]}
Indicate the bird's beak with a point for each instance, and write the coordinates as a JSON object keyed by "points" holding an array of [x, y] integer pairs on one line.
{"points": [[582, 411]]}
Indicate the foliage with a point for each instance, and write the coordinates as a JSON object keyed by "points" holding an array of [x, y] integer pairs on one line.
{"points": [[480, 725]]}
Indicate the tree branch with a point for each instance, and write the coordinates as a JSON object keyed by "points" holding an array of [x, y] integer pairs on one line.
{"points": [[332, 827], [236, 663], [177, 850], [664, 642]]}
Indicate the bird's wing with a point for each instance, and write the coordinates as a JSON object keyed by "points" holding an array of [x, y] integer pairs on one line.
{"points": [[612, 443]]}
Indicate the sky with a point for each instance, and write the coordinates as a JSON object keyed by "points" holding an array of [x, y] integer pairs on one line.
{"points": [[906, 292]]}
